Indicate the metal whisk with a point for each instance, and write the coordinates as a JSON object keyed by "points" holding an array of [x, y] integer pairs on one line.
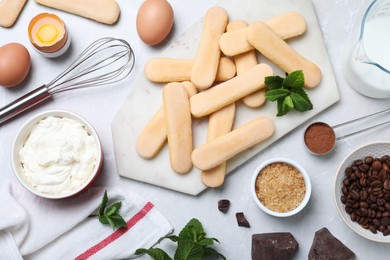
{"points": [[105, 61]]}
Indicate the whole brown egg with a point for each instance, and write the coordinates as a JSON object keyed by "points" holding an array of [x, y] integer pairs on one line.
{"points": [[14, 64], [154, 21]]}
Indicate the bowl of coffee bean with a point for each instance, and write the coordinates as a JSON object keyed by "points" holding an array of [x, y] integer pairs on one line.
{"points": [[362, 191]]}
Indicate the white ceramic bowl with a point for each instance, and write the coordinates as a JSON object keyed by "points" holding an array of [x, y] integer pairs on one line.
{"points": [[307, 184], [23, 134], [375, 150]]}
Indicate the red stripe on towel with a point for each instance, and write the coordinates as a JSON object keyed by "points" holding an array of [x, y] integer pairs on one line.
{"points": [[117, 233]]}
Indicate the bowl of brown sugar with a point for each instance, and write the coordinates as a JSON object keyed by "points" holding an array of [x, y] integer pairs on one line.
{"points": [[280, 187]]}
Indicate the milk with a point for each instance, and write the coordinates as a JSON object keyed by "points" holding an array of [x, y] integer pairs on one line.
{"points": [[366, 78], [376, 40]]}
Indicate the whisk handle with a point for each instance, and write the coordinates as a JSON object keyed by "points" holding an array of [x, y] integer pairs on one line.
{"points": [[23, 103]]}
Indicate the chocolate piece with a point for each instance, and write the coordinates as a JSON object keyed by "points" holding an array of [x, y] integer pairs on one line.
{"points": [[223, 205], [241, 220], [326, 246], [273, 246]]}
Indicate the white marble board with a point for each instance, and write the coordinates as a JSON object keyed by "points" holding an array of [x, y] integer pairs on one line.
{"points": [[145, 98]]}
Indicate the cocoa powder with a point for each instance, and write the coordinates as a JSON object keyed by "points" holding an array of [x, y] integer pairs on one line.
{"points": [[320, 138]]}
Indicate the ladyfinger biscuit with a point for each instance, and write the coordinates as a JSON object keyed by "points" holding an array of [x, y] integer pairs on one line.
{"points": [[168, 69], [9, 11], [220, 123], [225, 93], [286, 26], [206, 61], [226, 69], [244, 62], [179, 126], [154, 135], [227, 146], [279, 52], [177, 70], [103, 11]]}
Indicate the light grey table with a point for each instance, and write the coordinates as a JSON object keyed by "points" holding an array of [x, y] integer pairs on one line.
{"points": [[339, 22]]}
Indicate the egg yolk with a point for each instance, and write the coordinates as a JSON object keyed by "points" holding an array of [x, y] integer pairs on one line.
{"points": [[47, 34]]}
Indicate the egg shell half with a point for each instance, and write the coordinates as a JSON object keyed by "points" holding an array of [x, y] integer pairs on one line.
{"points": [[14, 64], [154, 21]]}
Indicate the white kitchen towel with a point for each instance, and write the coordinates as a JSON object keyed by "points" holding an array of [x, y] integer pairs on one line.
{"points": [[35, 228]]}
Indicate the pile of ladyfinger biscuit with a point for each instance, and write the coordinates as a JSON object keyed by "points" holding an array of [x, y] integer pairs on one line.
{"points": [[224, 70]]}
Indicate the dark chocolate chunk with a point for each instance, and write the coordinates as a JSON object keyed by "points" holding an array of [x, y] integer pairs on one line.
{"points": [[241, 220], [326, 246], [223, 205], [273, 246]]}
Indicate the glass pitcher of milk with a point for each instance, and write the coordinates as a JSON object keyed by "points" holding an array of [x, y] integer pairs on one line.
{"points": [[367, 67]]}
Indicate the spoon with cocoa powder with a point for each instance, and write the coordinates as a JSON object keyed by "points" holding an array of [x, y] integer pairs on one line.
{"points": [[320, 138]]}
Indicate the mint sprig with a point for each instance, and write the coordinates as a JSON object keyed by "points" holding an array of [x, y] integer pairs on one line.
{"points": [[192, 244], [110, 216], [288, 93]]}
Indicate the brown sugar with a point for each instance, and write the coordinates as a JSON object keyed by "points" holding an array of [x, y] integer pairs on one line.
{"points": [[280, 187], [320, 138]]}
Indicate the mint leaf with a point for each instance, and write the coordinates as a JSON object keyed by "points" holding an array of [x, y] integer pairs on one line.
{"points": [[188, 250], [209, 251], [273, 82], [288, 93], [103, 203], [103, 220], [118, 221], [294, 80], [303, 94], [155, 253], [110, 215], [192, 244], [114, 208], [300, 103], [191, 230], [275, 94]]}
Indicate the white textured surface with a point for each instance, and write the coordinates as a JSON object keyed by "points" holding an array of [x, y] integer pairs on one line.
{"points": [[338, 20], [129, 121]]}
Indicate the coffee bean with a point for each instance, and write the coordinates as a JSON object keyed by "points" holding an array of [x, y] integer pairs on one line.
{"points": [[376, 222], [368, 159], [362, 212], [354, 195], [376, 191], [353, 216], [380, 202], [364, 167], [358, 162], [363, 204], [346, 182], [372, 228], [363, 195], [385, 214], [384, 158], [377, 165], [387, 206], [385, 221], [386, 232], [376, 184], [386, 184]]}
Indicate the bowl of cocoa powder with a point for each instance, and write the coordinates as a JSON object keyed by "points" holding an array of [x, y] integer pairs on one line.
{"points": [[362, 191], [319, 138], [280, 187]]}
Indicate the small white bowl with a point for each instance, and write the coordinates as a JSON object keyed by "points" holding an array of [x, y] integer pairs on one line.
{"points": [[23, 134], [305, 199], [375, 150]]}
